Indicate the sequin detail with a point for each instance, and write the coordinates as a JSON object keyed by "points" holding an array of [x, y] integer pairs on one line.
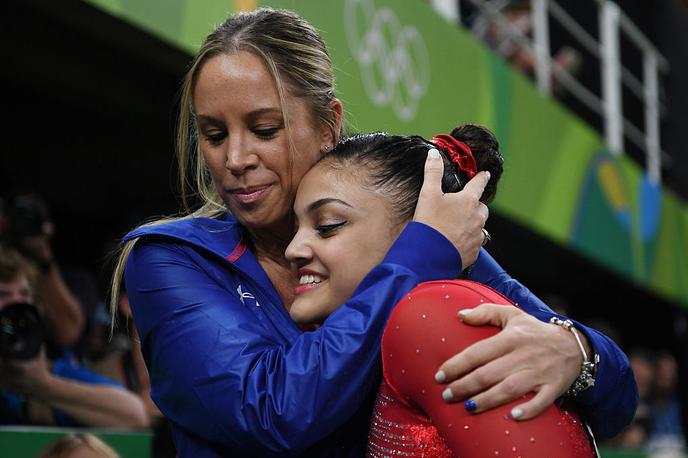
{"points": [[579, 441], [412, 435]]}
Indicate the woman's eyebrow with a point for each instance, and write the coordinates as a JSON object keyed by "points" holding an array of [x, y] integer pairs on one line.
{"points": [[262, 111], [207, 119], [327, 200], [251, 115]]}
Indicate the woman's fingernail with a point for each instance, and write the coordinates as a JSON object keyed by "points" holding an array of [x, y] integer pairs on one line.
{"points": [[470, 405], [440, 376], [465, 312], [433, 153], [447, 395], [489, 175], [516, 412]]}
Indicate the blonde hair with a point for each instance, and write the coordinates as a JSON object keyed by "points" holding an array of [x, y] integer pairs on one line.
{"points": [[300, 64], [70, 443]]}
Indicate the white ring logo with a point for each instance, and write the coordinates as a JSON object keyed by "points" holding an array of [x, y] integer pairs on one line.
{"points": [[394, 60]]}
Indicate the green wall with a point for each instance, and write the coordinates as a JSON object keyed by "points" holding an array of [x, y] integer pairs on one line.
{"points": [[28, 442], [560, 181]]}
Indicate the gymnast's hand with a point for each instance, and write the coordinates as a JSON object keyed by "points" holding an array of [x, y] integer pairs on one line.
{"points": [[528, 355], [458, 216]]}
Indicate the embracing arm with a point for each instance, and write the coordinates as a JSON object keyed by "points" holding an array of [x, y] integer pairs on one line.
{"points": [[611, 403], [219, 370]]}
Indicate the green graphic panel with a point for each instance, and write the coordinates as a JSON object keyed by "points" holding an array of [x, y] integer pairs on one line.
{"points": [[28, 441], [403, 69], [601, 229], [537, 188], [182, 23], [672, 238]]}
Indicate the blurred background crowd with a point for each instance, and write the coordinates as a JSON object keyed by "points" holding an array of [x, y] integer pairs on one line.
{"points": [[61, 362]]}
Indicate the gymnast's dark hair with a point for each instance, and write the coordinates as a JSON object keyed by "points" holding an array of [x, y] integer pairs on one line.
{"points": [[394, 164]]}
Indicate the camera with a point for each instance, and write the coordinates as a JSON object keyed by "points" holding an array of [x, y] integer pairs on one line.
{"points": [[21, 332]]}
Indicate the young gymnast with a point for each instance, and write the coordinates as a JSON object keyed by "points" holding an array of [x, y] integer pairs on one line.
{"points": [[350, 208]]}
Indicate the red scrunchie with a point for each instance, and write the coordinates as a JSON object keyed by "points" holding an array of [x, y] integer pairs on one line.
{"points": [[459, 153]]}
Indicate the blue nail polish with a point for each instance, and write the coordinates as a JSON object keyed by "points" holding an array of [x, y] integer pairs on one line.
{"points": [[470, 405]]}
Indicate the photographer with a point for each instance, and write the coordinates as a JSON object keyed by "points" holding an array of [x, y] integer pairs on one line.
{"points": [[36, 390], [25, 225]]}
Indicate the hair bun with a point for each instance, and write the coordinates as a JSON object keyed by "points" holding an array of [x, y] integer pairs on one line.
{"points": [[485, 149]]}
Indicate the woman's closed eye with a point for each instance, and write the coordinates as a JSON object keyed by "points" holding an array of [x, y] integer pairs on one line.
{"points": [[215, 137], [266, 133], [326, 230]]}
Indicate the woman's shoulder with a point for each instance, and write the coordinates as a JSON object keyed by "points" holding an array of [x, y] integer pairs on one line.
{"points": [[183, 226], [218, 234]]}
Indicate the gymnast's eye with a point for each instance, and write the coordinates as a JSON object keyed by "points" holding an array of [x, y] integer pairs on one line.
{"points": [[326, 230]]}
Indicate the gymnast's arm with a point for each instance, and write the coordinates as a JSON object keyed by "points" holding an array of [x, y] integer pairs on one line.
{"points": [[423, 331]]}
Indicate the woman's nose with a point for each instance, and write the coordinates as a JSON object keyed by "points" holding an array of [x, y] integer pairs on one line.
{"points": [[241, 156], [298, 251]]}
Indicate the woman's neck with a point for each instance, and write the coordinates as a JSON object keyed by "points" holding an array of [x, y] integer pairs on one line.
{"points": [[268, 246]]}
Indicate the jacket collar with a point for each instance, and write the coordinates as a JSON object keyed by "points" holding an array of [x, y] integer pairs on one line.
{"points": [[221, 236]]}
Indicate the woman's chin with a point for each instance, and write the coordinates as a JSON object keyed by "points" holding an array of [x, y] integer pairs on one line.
{"points": [[299, 315], [305, 315]]}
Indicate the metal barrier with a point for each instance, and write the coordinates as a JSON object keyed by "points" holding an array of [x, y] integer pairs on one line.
{"points": [[613, 74]]}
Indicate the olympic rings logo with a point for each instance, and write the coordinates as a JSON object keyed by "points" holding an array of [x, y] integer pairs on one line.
{"points": [[394, 59]]}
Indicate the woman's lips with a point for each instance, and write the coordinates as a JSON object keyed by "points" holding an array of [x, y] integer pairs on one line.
{"points": [[308, 281], [247, 196], [302, 289]]}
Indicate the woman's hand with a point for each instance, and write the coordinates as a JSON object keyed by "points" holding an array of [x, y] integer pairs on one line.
{"points": [[458, 216], [526, 356]]}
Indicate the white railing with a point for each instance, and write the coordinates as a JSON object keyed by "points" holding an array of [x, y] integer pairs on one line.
{"points": [[614, 76]]}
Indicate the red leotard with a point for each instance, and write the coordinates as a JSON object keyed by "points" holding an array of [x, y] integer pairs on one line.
{"points": [[412, 419]]}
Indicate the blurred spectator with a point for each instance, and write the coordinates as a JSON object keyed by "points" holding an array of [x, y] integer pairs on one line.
{"points": [[497, 36], [636, 434], [666, 430], [37, 390], [656, 427], [120, 358], [25, 225], [78, 446]]}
